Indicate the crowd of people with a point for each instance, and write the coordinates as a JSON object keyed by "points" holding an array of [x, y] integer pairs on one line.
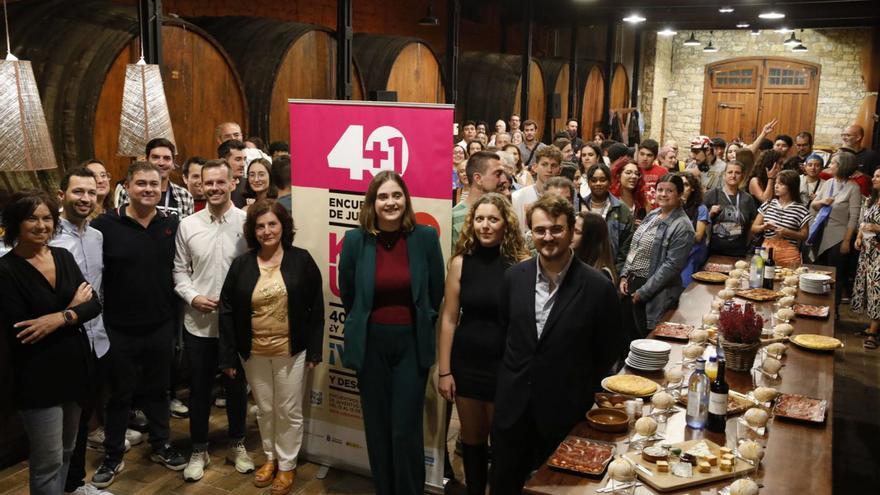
{"points": [[561, 255]]}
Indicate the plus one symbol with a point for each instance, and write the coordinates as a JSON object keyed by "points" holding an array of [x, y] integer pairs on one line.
{"points": [[376, 154]]}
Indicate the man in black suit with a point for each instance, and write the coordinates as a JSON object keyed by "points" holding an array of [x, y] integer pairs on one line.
{"points": [[564, 332]]}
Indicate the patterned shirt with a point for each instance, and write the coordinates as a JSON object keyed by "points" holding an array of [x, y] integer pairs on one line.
{"points": [[641, 249]]}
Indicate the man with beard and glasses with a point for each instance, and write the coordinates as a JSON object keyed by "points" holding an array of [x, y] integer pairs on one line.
{"points": [[561, 318]]}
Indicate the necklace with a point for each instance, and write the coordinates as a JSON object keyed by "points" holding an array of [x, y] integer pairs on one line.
{"points": [[388, 239]]}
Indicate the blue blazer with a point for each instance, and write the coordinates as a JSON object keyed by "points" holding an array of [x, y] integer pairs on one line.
{"points": [[357, 279]]}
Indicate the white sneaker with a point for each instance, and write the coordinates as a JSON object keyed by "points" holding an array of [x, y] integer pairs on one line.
{"points": [[220, 402], [88, 490], [95, 440], [195, 468], [238, 455], [134, 437], [178, 410]]}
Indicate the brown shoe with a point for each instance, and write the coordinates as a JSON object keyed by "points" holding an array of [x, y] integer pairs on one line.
{"points": [[283, 482], [264, 476]]}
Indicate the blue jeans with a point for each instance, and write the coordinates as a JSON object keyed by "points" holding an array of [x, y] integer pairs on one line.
{"points": [[51, 434]]}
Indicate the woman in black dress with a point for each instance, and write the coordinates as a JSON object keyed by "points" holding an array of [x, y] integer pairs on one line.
{"points": [[44, 300], [470, 354]]}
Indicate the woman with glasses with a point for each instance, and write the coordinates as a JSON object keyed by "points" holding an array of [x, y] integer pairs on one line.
{"points": [[105, 198], [628, 185], [650, 281], [259, 184]]}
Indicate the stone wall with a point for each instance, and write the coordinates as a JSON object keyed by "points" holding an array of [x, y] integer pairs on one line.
{"points": [[678, 74]]}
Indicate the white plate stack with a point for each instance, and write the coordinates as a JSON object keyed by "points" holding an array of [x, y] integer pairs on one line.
{"points": [[648, 354], [815, 283]]}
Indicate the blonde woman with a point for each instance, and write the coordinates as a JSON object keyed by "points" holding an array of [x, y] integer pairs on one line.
{"points": [[471, 346]]}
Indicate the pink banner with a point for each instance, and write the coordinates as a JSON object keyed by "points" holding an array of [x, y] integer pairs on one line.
{"points": [[340, 146]]}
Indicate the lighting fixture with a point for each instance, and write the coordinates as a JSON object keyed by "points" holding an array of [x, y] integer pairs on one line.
{"points": [[771, 14], [742, 24], [692, 41], [783, 30], [634, 18], [667, 32], [725, 9], [800, 48], [792, 41], [710, 48], [430, 19], [25, 144], [755, 32]]}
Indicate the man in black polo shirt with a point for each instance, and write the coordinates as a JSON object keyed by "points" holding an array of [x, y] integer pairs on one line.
{"points": [[232, 151], [139, 308]]}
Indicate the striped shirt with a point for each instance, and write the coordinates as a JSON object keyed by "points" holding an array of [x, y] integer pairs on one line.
{"points": [[792, 216]]}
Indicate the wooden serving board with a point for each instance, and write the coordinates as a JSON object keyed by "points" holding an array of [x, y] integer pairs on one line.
{"points": [[666, 482]]}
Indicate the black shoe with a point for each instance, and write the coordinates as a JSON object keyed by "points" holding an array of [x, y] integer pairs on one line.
{"points": [[169, 458], [137, 420], [106, 473]]}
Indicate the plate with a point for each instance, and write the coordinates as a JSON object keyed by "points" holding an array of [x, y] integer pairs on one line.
{"points": [[800, 407], [608, 419], [710, 277], [718, 267], [582, 455], [816, 342], [650, 346], [644, 367], [675, 331], [632, 385], [760, 295], [811, 311]]}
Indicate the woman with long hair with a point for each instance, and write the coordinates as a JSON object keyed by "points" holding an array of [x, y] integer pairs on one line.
{"points": [[747, 158], [105, 189], [592, 244], [692, 202], [588, 155], [650, 281], [628, 185], [730, 151], [784, 221], [763, 175], [474, 147], [272, 322], [522, 175], [866, 298], [471, 340], [391, 285], [516, 137], [259, 185], [617, 215]]}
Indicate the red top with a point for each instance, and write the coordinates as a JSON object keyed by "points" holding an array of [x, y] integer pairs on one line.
{"points": [[652, 176], [392, 297]]}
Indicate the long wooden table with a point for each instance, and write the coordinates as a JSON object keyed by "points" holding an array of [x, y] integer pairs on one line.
{"points": [[797, 456]]}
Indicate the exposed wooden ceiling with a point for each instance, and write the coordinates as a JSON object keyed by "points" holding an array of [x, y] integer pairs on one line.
{"points": [[702, 14]]}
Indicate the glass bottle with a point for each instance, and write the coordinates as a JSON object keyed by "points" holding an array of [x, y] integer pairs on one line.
{"points": [[698, 397]]}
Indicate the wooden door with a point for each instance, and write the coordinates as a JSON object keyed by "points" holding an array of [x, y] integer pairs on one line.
{"points": [[741, 95]]}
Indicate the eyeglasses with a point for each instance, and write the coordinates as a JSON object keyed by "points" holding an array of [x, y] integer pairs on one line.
{"points": [[102, 175], [555, 231]]}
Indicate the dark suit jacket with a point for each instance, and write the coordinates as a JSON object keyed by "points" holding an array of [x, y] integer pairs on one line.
{"points": [[357, 279], [305, 306], [557, 374]]}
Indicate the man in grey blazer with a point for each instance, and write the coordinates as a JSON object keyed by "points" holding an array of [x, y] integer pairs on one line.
{"points": [[564, 332]]}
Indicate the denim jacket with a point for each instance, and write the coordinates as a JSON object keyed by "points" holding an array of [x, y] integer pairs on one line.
{"points": [[675, 238], [620, 228]]}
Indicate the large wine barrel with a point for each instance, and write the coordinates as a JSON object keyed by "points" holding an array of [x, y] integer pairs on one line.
{"points": [[592, 98], [619, 87], [489, 88], [79, 51], [405, 65], [556, 77], [277, 60]]}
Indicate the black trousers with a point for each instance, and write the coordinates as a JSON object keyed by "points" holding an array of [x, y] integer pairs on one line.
{"points": [[635, 317], [151, 355], [76, 474], [202, 356], [516, 451], [833, 257]]}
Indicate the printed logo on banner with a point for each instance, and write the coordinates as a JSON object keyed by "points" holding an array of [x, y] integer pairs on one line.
{"points": [[384, 149]]}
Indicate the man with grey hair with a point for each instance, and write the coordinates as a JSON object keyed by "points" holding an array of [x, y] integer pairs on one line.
{"points": [[226, 131], [508, 160]]}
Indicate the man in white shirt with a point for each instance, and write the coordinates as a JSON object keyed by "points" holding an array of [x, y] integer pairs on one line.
{"points": [[548, 164], [468, 134], [207, 242]]}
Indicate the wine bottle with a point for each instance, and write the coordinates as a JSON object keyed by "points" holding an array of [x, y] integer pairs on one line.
{"points": [[769, 271], [717, 418], [698, 397], [756, 270]]}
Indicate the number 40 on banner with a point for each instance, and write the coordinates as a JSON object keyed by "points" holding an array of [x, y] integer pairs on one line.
{"points": [[384, 149]]}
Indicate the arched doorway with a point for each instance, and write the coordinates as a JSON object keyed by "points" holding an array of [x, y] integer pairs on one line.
{"points": [[742, 94]]}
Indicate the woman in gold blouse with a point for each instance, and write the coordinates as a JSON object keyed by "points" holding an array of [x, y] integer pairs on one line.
{"points": [[272, 318]]}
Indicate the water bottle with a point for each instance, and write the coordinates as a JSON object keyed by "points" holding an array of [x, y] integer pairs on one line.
{"points": [[756, 270], [698, 397]]}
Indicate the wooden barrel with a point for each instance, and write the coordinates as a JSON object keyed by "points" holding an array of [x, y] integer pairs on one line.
{"points": [[79, 51], [489, 88], [405, 65], [619, 87], [592, 98], [277, 60], [556, 78]]}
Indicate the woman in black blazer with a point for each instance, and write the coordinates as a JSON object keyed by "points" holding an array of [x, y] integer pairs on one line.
{"points": [[44, 300], [391, 283], [272, 319]]}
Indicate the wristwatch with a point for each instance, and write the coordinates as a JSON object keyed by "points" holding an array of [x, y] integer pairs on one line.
{"points": [[68, 316]]}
